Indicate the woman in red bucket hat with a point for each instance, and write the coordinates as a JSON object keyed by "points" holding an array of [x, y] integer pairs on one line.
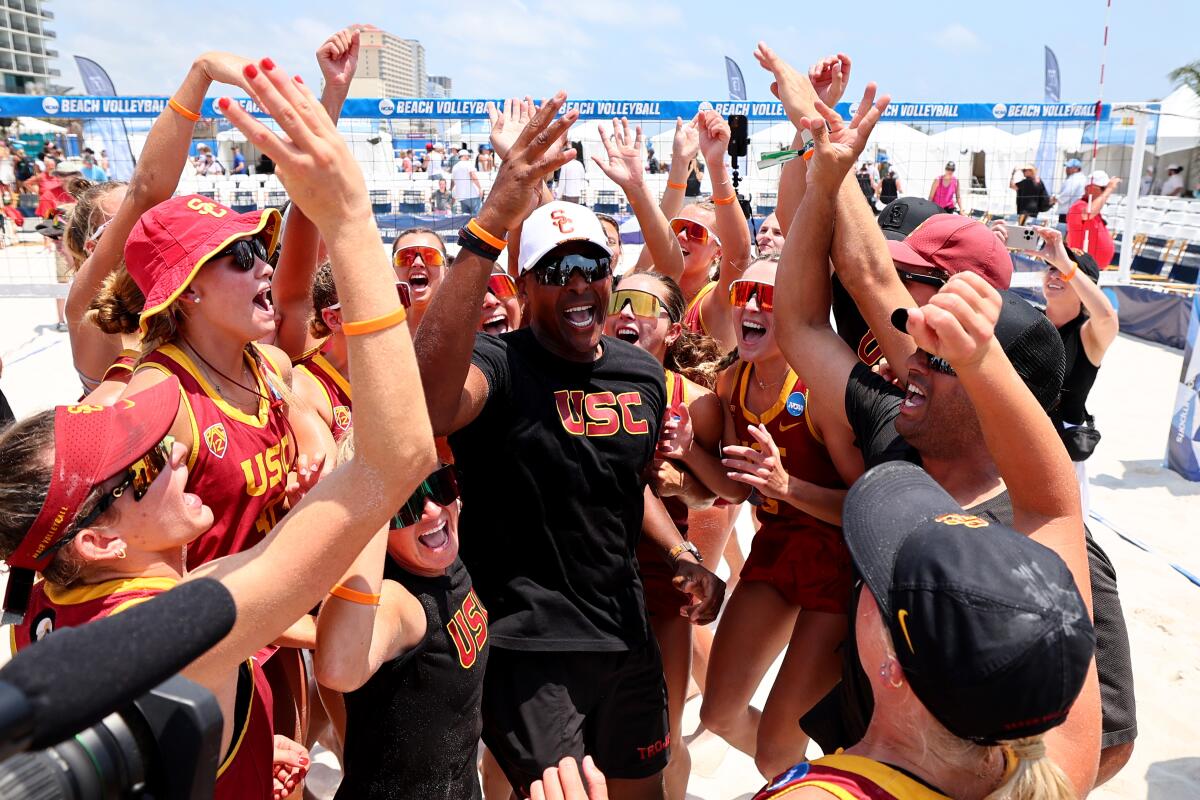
{"points": [[100, 502]]}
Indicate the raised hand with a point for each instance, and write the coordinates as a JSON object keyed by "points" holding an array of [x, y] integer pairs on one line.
{"points": [[761, 468], [225, 68], [792, 88], [508, 123], [714, 137], [829, 78], [676, 438], [686, 142], [338, 56], [838, 143], [624, 149], [534, 155], [311, 158], [958, 324]]}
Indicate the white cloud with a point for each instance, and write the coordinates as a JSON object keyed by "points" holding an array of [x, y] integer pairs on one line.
{"points": [[956, 37]]}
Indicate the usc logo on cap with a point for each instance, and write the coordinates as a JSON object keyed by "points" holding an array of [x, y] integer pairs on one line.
{"points": [[203, 207], [561, 221], [84, 408], [969, 520]]}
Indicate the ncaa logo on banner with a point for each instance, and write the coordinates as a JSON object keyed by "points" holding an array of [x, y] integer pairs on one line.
{"points": [[387, 107], [50, 105], [999, 111]]}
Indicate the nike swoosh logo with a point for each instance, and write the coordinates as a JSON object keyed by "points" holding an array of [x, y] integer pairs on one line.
{"points": [[901, 617], [785, 428]]}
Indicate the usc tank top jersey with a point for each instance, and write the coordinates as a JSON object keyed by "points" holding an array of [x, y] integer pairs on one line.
{"points": [[848, 777], [693, 318], [239, 462], [122, 366], [804, 558], [662, 598], [245, 770], [334, 385]]}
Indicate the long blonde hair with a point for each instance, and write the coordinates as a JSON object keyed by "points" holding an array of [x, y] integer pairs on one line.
{"points": [[1036, 776]]}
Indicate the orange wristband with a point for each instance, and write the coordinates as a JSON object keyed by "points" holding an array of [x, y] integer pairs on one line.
{"points": [[388, 320], [178, 108], [1068, 276], [477, 229], [724, 201], [676, 185], [353, 596]]}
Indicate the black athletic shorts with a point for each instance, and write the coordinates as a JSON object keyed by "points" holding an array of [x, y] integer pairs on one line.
{"points": [[539, 707], [840, 719]]}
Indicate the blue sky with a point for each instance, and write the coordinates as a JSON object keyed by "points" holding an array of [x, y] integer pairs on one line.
{"points": [[626, 49]]}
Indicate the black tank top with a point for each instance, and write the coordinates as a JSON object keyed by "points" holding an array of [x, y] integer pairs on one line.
{"points": [[887, 190], [412, 729], [1080, 375], [864, 183], [692, 187]]}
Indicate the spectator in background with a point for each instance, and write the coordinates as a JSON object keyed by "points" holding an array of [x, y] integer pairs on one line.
{"points": [[239, 162], [1086, 228], [486, 160], [464, 183], [441, 200], [944, 193], [406, 161], [23, 166], [91, 170], [8, 175], [1173, 185], [694, 177], [869, 186], [435, 161], [572, 178], [1072, 188], [103, 160], [652, 165], [206, 163], [1032, 197], [1147, 182], [889, 187]]}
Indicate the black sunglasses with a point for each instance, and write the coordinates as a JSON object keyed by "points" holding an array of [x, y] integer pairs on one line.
{"points": [[555, 268], [935, 281], [441, 487], [939, 364], [245, 252]]}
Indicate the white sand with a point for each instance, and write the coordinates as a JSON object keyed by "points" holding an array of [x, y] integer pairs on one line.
{"points": [[1132, 402]]}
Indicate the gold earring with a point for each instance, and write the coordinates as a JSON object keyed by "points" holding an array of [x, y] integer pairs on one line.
{"points": [[121, 553]]}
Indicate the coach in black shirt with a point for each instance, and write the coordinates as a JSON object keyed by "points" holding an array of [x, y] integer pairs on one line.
{"points": [[552, 429], [1032, 197]]}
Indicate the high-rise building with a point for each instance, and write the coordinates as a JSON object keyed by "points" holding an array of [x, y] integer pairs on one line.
{"points": [[388, 66], [26, 51], [440, 86]]}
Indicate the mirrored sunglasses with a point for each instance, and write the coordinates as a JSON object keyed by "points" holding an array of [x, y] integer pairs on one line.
{"points": [[245, 252], [740, 293], [642, 304], [695, 232], [502, 286], [137, 478], [429, 256], [441, 487], [556, 269]]}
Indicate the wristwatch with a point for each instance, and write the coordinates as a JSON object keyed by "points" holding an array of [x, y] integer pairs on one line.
{"points": [[685, 547]]}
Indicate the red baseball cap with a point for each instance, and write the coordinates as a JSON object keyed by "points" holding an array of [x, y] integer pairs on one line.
{"points": [[92, 443], [955, 244], [172, 241]]}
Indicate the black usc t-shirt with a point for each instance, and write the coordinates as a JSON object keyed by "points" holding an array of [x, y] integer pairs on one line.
{"points": [[552, 479]]}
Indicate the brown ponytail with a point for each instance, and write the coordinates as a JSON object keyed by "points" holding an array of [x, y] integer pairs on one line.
{"points": [[118, 305], [324, 294]]}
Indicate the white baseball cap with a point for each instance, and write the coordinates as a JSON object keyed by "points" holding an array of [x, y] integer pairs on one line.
{"points": [[1099, 178], [557, 222]]}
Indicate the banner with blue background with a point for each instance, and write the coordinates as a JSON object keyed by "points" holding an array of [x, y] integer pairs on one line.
{"points": [[1183, 445]]}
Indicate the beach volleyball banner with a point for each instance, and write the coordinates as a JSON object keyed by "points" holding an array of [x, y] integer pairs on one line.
{"points": [[1183, 446], [93, 107]]}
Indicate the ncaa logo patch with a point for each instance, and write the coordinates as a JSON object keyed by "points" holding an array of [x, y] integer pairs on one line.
{"points": [[216, 439], [796, 403], [50, 105], [43, 625], [999, 111], [341, 417]]}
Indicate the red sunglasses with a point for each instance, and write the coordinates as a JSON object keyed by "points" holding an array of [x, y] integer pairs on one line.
{"points": [[695, 232], [502, 286], [740, 293]]}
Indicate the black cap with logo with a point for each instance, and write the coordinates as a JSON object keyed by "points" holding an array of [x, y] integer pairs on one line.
{"points": [[904, 215], [987, 624]]}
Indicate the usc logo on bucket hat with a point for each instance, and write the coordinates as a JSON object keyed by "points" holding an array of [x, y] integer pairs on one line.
{"points": [[202, 206]]}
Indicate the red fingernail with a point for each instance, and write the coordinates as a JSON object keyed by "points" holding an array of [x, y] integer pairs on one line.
{"points": [[223, 103], [299, 79], [250, 71], [303, 761], [267, 64]]}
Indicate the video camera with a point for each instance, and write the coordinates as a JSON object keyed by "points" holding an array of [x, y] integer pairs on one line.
{"points": [[104, 712], [739, 147]]}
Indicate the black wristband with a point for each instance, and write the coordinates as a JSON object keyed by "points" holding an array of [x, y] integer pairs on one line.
{"points": [[471, 242]]}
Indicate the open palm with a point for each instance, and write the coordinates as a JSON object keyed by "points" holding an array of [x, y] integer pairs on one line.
{"points": [[792, 88], [507, 123], [686, 142], [838, 143], [624, 149]]}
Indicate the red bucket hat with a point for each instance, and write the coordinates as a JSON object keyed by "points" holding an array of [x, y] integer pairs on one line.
{"points": [[955, 244], [172, 241], [92, 443]]}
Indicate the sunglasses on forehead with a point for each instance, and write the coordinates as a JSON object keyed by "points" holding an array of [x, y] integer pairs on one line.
{"points": [[740, 293], [137, 478], [402, 289], [502, 286], [642, 304], [556, 269], [939, 364], [441, 487], [429, 256], [245, 252], [695, 231]]}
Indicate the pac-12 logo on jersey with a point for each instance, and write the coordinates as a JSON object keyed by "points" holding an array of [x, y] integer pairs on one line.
{"points": [[42, 625], [216, 439], [341, 417]]}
